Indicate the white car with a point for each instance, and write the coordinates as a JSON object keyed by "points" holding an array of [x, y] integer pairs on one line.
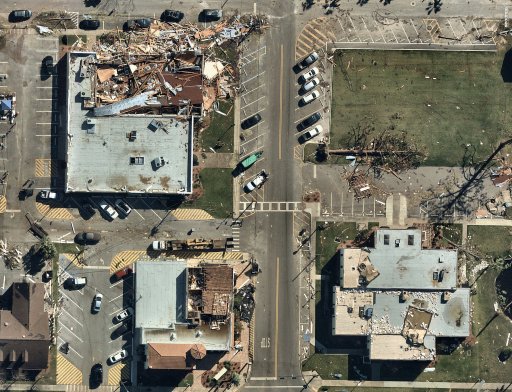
{"points": [[310, 134], [311, 84], [46, 194], [308, 60], [123, 315], [310, 97], [123, 207], [256, 182], [108, 209], [96, 302], [308, 75], [118, 356]]}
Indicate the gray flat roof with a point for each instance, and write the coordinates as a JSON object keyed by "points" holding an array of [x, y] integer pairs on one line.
{"points": [[160, 293], [448, 319], [99, 152], [400, 265]]}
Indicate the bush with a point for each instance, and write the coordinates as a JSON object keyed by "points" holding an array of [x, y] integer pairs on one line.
{"points": [[235, 378], [505, 354]]}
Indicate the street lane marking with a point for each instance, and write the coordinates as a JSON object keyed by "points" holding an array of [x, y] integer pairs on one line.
{"points": [[277, 304], [280, 106]]}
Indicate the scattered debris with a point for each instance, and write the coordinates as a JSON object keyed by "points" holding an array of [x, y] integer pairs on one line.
{"points": [[12, 258]]}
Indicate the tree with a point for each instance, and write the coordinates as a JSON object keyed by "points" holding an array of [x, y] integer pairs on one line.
{"points": [[235, 379], [505, 354], [47, 249]]}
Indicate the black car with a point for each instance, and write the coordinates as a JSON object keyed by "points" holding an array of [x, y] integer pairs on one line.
{"points": [[87, 238], [308, 121], [88, 210], [20, 15], [172, 16], [133, 24], [120, 331], [97, 374], [89, 24], [211, 15], [251, 121], [47, 64]]}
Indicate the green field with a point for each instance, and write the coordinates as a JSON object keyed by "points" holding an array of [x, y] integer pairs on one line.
{"points": [[444, 100], [220, 132], [494, 241]]}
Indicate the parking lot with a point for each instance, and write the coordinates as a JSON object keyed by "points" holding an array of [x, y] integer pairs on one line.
{"points": [[90, 335], [383, 27]]}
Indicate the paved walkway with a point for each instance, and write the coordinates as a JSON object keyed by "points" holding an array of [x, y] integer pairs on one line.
{"points": [[317, 382]]}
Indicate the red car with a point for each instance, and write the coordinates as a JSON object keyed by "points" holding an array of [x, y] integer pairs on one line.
{"points": [[123, 273]]}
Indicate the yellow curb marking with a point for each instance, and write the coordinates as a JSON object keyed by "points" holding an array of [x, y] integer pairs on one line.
{"points": [[67, 373], [50, 212], [3, 204], [191, 214]]}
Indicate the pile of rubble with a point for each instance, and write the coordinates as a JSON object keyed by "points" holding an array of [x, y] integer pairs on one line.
{"points": [[12, 258], [181, 68]]}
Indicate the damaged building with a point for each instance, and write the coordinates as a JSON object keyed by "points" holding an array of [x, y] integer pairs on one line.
{"points": [[400, 296], [124, 136], [182, 313]]}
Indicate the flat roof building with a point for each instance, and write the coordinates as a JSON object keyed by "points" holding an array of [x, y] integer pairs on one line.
{"points": [[128, 145], [401, 296]]}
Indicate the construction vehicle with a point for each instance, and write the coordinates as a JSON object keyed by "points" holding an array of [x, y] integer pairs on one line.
{"points": [[194, 244]]}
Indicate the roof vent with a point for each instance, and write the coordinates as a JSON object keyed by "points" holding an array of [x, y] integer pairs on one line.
{"points": [[173, 336]]}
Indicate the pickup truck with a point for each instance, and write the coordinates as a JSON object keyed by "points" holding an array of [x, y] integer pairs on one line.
{"points": [[257, 182]]}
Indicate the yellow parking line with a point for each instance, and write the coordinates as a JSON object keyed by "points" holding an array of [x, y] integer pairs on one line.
{"points": [[323, 38], [191, 214], [45, 167], [50, 212], [67, 373], [115, 373], [72, 258], [3, 204], [125, 258]]}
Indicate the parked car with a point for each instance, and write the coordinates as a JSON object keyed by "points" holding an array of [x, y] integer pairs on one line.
{"points": [[120, 331], [97, 374], [310, 85], [122, 207], [309, 98], [20, 15], [87, 238], [123, 273], [108, 210], [308, 61], [310, 134], [48, 195], [308, 75], [47, 64], [133, 24], [96, 302], [47, 276], [89, 24], [257, 182], [75, 283], [251, 121], [172, 16], [88, 209], [211, 15], [123, 315], [308, 121], [118, 356]]}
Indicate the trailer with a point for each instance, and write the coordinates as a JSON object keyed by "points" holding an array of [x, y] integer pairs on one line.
{"points": [[202, 244]]}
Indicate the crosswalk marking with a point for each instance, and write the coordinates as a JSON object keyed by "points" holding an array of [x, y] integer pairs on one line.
{"points": [[272, 206]]}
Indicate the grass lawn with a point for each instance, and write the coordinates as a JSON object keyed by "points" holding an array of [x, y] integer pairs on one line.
{"points": [[221, 129], [444, 100], [451, 231], [217, 198], [325, 240], [326, 365], [492, 240]]}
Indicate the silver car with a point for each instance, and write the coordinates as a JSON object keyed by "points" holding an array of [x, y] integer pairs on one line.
{"points": [[96, 302]]}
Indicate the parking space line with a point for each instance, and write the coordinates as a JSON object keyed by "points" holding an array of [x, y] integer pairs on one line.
{"points": [[147, 205], [47, 111], [65, 296], [252, 103], [45, 99], [300, 119], [354, 27], [417, 34], [70, 347], [253, 77], [71, 332], [254, 89], [403, 28], [113, 299], [366, 27], [69, 314], [380, 32], [396, 39]]}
